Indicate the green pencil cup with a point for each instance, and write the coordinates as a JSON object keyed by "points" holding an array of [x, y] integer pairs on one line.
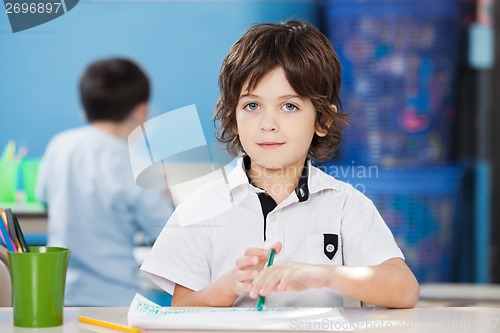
{"points": [[8, 180], [29, 173], [38, 278]]}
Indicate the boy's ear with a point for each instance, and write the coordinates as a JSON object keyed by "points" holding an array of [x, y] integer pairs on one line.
{"points": [[319, 131], [141, 112]]}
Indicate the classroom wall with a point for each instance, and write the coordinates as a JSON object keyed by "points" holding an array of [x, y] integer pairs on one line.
{"points": [[180, 44]]}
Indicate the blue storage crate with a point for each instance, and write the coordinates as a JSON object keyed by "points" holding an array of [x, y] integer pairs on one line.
{"points": [[399, 65], [420, 206]]}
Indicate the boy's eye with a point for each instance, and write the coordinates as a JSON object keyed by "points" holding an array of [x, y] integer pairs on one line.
{"points": [[289, 107], [251, 106]]}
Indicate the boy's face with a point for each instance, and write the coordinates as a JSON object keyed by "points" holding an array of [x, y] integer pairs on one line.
{"points": [[274, 124]]}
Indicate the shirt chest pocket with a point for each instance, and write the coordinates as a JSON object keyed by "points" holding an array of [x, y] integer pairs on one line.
{"points": [[324, 249]]}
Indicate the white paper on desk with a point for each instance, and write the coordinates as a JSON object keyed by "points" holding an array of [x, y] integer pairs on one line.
{"points": [[145, 314]]}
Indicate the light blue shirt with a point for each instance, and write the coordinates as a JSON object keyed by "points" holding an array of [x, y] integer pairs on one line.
{"points": [[95, 208]]}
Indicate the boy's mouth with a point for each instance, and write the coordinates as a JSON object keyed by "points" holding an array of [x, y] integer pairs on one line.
{"points": [[270, 145]]}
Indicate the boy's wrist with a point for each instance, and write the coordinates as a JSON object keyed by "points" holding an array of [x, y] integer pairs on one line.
{"points": [[221, 292], [329, 273]]}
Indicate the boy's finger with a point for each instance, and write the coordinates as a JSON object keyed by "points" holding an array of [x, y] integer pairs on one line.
{"points": [[278, 246], [255, 251], [246, 275], [243, 287], [247, 261], [269, 283], [259, 281]]}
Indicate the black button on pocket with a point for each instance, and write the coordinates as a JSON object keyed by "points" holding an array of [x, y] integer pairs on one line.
{"points": [[330, 245]]}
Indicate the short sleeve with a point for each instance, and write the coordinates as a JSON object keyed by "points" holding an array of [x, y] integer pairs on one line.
{"points": [[180, 255], [367, 240]]}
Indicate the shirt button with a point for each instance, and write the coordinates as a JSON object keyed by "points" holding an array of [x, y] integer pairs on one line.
{"points": [[272, 217]]}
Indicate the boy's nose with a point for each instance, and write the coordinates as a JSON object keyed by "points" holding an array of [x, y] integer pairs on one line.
{"points": [[268, 121]]}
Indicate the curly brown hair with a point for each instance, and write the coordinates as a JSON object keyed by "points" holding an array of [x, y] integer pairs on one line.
{"points": [[311, 66]]}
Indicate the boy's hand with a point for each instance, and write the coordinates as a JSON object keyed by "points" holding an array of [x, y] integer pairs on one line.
{"points": [[288, 277], [248, 267]]}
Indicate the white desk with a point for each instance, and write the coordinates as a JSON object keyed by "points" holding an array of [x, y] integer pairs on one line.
{"points": [[435, 320], [460, 292]]}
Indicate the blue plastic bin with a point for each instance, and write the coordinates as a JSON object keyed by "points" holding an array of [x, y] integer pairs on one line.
{"points": [[420, 206], [399, 62]]}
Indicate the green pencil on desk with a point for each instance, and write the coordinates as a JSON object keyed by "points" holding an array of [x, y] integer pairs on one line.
{"points": [[262, 299]]}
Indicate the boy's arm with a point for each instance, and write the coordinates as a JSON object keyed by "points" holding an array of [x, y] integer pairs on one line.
{"points": [[217, 294], [390, 284]]}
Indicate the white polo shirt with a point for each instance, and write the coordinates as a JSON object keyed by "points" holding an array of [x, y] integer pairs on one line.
{"points": [[335, 220]]}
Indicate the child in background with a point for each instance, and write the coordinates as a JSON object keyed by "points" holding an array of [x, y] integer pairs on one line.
{"points": [[279, 109], [94, 205]]}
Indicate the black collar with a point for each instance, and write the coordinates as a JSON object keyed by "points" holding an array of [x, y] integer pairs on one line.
{"points": [[302, 189]]}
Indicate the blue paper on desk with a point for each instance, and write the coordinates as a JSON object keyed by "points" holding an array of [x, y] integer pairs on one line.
{"points": [[147, 315]]}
